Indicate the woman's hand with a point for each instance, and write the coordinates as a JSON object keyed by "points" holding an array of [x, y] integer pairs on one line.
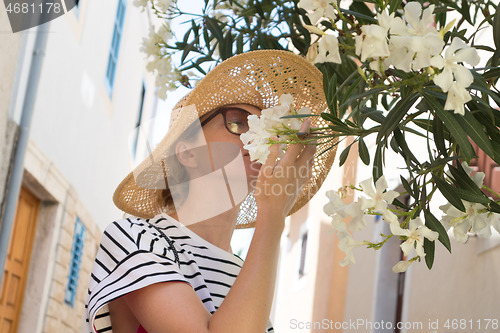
{"points": [[279, 182]]}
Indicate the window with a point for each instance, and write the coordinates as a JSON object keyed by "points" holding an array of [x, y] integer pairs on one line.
{"points": [[115, 47], [74, 264], [303, 249]]}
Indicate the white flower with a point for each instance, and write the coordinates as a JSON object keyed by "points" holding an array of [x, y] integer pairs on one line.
{"points": [[412, 45], [314, 29], [462, 222], [151, 44], [393, 221], [316, 9], [163, 5], [415, 234], [334, 208], [457, 52], [357, 214], [165, 33], [372, 43], [378, 198], [419, 22], [335, 203], [312, 53], [456, 99], [256, 140], [493, 220], [141, 4], [402, 266], [328, 50], [338, 225], [166, 75], [385, 20], [346, 245], [400, 56]]}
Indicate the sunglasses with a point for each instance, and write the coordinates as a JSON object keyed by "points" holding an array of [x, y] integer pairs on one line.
{"points": [[235, 119]]}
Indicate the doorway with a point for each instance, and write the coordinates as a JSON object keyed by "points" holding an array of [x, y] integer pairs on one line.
{"points": [[18, 261]]}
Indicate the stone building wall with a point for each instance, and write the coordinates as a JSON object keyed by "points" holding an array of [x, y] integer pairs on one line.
{"points": [[44, 307]]}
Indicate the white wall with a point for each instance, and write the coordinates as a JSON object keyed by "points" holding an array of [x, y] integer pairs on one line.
{"points": [[75, 123]]}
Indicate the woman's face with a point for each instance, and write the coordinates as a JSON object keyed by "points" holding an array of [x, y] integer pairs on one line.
{"points": [[217, 135]]}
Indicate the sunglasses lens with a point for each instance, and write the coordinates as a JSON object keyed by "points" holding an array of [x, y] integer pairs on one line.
{"points": [[236, 121]]}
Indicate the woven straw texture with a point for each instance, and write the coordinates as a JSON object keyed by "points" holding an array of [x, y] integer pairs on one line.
{"points": [[257, 78]]}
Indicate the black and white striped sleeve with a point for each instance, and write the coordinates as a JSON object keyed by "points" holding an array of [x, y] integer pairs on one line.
{"points": [[131, 256]]}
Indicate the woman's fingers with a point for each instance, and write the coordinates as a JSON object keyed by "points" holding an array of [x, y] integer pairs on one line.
{"points": [[268, 167], [307, 156], [294, 150]]}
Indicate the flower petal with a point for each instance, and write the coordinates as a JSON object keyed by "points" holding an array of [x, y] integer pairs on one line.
{"points": [[444, 80], [413, 10], [468, 55], [463, 76], [401, 266]]}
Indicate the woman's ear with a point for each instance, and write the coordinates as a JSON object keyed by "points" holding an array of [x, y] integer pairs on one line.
{"points": [[184, 155]]}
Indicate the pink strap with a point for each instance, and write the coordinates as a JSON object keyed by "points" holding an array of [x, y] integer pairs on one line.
{"points": [[141, 329]]}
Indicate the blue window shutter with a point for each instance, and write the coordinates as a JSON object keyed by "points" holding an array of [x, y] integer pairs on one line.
{"points": [[115, 46], [75, 262]]}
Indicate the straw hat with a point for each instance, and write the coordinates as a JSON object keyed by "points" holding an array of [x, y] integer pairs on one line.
{"points": [[257, 78]]}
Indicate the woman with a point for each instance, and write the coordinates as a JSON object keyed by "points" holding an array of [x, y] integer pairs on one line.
{"points": [[171, 269]]}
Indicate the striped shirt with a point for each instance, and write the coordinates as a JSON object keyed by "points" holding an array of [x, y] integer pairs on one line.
{"points": [[135, 253]]}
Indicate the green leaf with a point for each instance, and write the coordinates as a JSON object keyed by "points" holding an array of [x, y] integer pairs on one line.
{"points": [[474, 129], [472, 197], [494, 207], [378, 169], [394, 5], [395, 115], [333, 119], [429, 248], [432, 223], [373, 114], [398, 203], [350, 90], [364, 155], [496, 28], [360, 16], [344, 154], [486, 90], [406, 185], [453, 126], [188, 48], [332, 94], [437, 132], [466, 11], [463, 180], [493, 73], [449, 192], [239, 44], [361, 9], [405, 150], [214, 28]]}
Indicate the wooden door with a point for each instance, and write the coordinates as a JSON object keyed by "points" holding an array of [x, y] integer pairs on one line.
{"points": [[18, 261]]}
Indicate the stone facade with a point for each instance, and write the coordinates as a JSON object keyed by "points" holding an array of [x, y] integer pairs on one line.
{"points": [[44, 307]]}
